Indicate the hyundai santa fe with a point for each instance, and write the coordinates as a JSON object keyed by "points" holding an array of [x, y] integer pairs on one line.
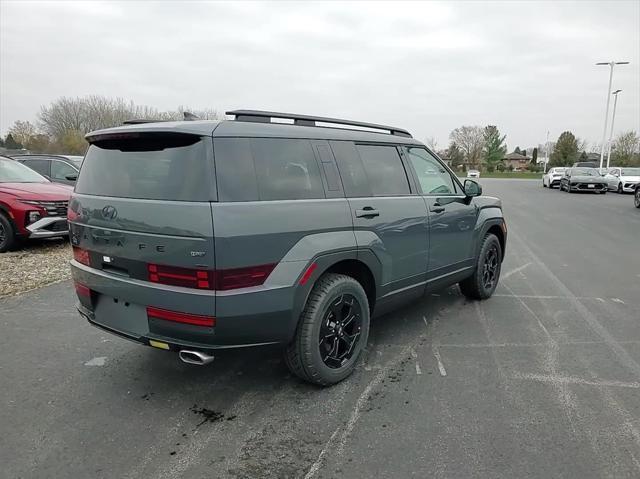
{"points": [[196, 236]]}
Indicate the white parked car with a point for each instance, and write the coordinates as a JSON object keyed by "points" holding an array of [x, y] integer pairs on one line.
{"points": [[622, 180], [552, 177], [473, 174]]}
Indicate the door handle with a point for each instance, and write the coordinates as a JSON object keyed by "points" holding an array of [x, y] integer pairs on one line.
{"points": [[436, 208], [367, 212]]}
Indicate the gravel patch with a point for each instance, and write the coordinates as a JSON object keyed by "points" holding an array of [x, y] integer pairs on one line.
{"points": [[36, 264]]}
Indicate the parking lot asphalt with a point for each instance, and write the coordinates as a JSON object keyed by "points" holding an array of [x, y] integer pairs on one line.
{"points": [[541, 380]]}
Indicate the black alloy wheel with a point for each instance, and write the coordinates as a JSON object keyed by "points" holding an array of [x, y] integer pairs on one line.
{"points": [[340, 331], [490, 267], [332, 332]]}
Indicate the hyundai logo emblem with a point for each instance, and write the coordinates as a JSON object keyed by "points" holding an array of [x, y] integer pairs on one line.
{"points": [[109, 212]]}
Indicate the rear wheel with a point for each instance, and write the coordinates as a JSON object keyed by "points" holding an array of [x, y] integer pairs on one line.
{"points": [[7, 234], [484, 280], [332, 332]]}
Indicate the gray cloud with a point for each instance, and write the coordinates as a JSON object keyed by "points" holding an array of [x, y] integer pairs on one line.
{"points": [[527, 67]]}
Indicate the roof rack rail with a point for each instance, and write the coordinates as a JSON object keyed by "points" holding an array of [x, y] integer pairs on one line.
{"points": [[260, 116]]}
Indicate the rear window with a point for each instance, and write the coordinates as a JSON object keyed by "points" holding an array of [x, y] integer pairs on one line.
{"points": [[157, 167]]}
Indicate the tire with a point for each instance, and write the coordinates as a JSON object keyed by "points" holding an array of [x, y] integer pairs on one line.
{"points": [[304, 355], [636, 198], [543, 184], [569, 190], [620, 190], [7, 234], [476, 286]]}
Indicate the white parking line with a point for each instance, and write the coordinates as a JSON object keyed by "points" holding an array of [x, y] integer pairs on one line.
{"points": [[443, 371], [96, 361], [514, 271], [549, 378]]}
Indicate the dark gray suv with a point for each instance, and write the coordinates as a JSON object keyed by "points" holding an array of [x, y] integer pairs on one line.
{"points": [[195, 236]]}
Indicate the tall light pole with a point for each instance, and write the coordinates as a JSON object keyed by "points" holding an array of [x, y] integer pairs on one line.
{"points": [[606, 114], [613, 119], [546, 153]]}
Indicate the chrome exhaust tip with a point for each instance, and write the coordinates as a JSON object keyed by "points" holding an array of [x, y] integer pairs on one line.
{"points": [[195, 357]]}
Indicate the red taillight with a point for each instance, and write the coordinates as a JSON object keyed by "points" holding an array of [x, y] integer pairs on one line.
{"points": [[221, 280], [242, 277], [81, 256], [307, 274], [83, 290], [177, 317], [188, 278]]}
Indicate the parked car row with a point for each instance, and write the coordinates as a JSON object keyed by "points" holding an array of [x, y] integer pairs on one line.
{"points": [[575, 179]]}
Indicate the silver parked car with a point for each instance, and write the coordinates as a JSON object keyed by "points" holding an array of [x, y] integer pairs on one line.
{"points": [[552, 177], [622, 180]]}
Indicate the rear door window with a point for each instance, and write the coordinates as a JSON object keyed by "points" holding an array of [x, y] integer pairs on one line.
{"points": [[149, 166], [384, 170]]}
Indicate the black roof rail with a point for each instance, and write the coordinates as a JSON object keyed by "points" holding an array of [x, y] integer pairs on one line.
{"points": [[260, 116]]}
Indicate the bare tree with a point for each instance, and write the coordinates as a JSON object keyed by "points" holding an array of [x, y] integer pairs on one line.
{"points": [[470, 139], [431, 142], [625, 150], [94, 112], [22, 132]]}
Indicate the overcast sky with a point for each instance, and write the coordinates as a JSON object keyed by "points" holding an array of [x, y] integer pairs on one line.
{"points": [[527, 67]]}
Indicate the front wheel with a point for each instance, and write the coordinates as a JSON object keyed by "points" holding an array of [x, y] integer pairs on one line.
{"points": [[332, 332], [636, 198], [7, 234], [484, 280], [620, 190]]}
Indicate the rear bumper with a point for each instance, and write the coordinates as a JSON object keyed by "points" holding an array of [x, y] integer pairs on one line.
{"points": [[248, 318], [48, 227]]}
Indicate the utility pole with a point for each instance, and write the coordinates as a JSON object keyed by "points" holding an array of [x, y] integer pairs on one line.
{"points": [[613, 119], [546, 153], [606, 114]]}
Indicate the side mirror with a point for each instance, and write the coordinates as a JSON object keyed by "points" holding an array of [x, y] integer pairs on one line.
{"points": [[471, 188], [71, 177]]}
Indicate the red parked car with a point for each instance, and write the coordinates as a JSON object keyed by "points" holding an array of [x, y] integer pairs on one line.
{"points": [[30, 205]]}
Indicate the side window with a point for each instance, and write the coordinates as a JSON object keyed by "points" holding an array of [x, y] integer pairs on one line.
{"points": [[286, 169], [354, 179], [434, 178], [60, 170], [384, 170], [41, 166], [235, 172]]}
